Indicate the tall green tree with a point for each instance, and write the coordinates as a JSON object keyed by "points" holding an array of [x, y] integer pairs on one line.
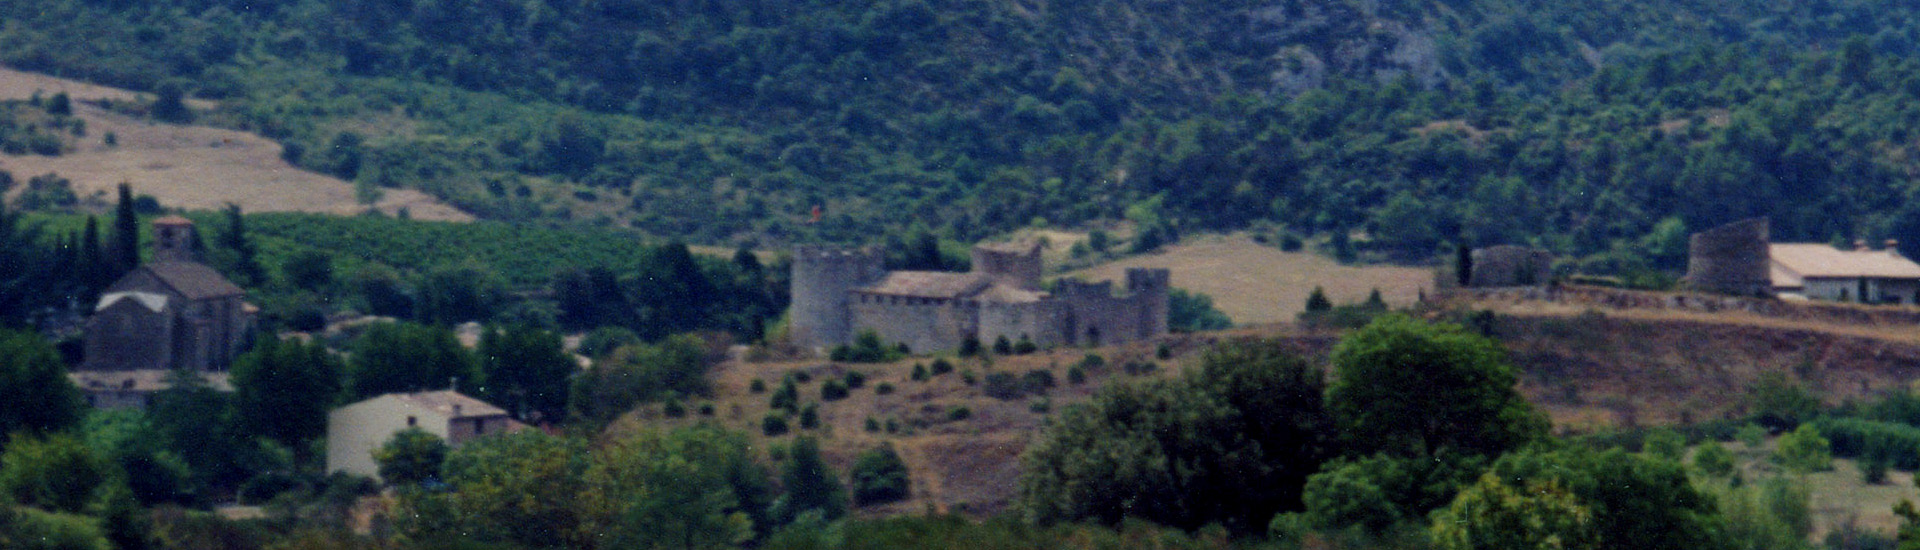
{"points": [[1414, 389], [1494, 515], [126, 233], [411, 457], [282, 390], [879, 477], [526, 371], [245, 261], [36, 397], [458, 293], [811, 486], [57, 473], [522, 488], [408, 357], [636, 373], [1637, 501], [1231, 442], [672, 489]]}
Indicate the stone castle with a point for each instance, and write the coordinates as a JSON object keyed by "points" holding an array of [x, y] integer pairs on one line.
{"points": [[839, 293]]}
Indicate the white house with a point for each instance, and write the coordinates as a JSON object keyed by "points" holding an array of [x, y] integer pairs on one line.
{"points": [[355, 430], [1823, 272]]}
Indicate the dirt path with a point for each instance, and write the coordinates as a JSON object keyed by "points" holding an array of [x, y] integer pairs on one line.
{"points": [[192, 167]]}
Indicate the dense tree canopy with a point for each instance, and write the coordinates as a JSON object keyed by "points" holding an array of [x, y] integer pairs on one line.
{"points": [[406, 357], [1231, 442], [283, 390], [1410, 388], [35, 394]]}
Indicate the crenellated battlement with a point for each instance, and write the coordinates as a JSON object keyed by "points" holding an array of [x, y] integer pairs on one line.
{"points": [[1142, 279]]}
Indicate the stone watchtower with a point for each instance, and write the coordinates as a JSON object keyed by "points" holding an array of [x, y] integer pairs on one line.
{"points": [[1150, 287], [1731, 259], [822, 279], [1017, 265]]}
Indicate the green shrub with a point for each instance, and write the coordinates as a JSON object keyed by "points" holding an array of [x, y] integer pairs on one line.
{"points": [[757, 386], [810, 416], [773, 424], [1895, 445], [1752, 435], [871, 425], [942, 366], [673, 409], [1713, 459], [919, 372], [1025, 346], [706, 408], [786, 398], [833, 390], [1076, 376], [959, 413], [879, 477], [1804, 450], [856, 379], [1664, 443], [1002, 346], [883, 388]]}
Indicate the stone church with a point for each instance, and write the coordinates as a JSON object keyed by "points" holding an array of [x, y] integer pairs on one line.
{"points": [[173, 313], [840, 293]]}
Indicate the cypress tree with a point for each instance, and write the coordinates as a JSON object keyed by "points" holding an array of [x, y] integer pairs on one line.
{"points": [[91, 267], [126, 234]]}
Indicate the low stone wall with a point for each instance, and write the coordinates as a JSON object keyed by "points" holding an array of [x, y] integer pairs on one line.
{"points": [[1613, 298]]}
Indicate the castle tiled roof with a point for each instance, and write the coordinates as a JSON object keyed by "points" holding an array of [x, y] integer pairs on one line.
{"points": [[929, 284], [193, 280], [1795, 262]]}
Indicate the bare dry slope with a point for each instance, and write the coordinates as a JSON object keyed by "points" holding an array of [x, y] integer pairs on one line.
{"points": [[193, 167], [1255, 284]]}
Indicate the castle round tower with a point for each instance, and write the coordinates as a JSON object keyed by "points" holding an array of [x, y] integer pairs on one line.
{"points": [[822, 278]]}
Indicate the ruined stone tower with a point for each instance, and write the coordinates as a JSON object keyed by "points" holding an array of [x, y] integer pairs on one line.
{"points": [[1017, 265], [1731, 259], [1150, 286], [822, 279]]}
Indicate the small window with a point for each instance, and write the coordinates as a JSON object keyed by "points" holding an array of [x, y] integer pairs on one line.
{"points": [[411, 422]]}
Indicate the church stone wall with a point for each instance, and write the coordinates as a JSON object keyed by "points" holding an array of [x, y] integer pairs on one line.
{"points": [[128, 336], [1731, 259]]}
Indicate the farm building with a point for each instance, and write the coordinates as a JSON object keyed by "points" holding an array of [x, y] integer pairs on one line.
{"points": [[1823, 272], [354, 431]]}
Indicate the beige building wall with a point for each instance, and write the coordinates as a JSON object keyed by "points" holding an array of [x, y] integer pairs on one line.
{"points": [[354, 431]]}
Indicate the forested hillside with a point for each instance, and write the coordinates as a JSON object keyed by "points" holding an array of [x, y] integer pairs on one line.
{"points": [[1600, 129]]}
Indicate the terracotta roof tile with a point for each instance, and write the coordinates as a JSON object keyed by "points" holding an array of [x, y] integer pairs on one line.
{"points": [[193, 280], [445, 401]]}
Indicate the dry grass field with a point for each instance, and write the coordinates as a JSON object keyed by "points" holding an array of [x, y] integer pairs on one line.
{"points": [[192, 167], [1257, 284]]}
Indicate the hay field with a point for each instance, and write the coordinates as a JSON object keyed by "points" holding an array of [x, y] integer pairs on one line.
{"points": [[192, 167], [1256, 284]]}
